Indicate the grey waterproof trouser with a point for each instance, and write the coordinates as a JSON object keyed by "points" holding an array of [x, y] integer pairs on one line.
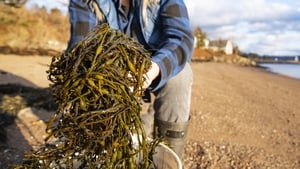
{"points": [[171, 109], [172, 101]]}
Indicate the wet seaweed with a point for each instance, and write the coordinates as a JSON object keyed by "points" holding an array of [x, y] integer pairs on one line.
{"points": [[97, 86]]}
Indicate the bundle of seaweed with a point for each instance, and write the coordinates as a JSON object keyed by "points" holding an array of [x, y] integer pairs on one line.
{"points": [[98, 88]]}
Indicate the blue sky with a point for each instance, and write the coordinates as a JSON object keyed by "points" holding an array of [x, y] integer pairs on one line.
{"points": [[265, 27]]}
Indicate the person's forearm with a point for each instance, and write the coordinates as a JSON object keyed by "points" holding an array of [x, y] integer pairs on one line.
{"points": [[176, 47]]}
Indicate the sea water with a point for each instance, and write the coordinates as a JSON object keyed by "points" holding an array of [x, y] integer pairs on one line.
{"points": [[291, 70]]}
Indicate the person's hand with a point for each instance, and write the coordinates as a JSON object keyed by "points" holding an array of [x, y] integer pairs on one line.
{"points": [[151, 75]]}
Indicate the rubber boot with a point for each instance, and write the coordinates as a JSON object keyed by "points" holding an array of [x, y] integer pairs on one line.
{"points": [[174, 133]]}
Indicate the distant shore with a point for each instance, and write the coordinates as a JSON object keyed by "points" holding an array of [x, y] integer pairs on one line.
{"points": [[277, 62]]}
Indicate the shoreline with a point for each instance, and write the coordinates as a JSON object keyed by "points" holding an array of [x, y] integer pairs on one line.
{"points": [[281, 71]]}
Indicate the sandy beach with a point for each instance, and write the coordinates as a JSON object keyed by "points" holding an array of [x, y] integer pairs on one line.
{"points": [[241, 116]]}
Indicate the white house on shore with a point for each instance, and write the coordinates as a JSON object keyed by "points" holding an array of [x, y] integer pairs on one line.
{"points": [[228, 48], [217, 45]]}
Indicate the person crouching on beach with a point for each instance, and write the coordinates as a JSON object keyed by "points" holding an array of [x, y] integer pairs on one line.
{"points": [[162, 27]]}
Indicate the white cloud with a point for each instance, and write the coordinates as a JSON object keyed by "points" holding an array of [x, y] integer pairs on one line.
{"points": [[260, 26]]}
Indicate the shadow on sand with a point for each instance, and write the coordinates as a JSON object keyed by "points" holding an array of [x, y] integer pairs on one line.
{"points": [[15, 97]]}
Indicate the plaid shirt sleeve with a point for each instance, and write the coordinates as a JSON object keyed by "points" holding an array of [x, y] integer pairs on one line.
{"points": [[82, 20], [174, 40]]}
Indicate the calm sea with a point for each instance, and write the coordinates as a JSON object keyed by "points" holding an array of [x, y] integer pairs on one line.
{"points": [[292, 70]]}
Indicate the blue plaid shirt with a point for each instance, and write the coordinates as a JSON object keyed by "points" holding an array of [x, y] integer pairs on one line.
{"points": [[171, 40]]}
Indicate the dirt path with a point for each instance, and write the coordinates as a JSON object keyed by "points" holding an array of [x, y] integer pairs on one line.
{"points": [[241, 116]]}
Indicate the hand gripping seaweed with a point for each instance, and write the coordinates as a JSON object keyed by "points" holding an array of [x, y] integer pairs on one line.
{"points": [[98, 88]]}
